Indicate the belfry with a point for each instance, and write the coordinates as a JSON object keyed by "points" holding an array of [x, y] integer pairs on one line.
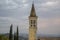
{"points": [[32, 24]]}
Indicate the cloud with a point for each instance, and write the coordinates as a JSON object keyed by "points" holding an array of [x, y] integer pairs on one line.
{"points": [[49, 26], [8, 20], [13, 4], [5, 23], [16, 12], [24, 1], [8, 4], [48, 9], [47, 4]]}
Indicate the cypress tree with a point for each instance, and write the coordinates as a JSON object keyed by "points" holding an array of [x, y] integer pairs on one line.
{"points": [[10, 34], [17, 34], [14, 36]]}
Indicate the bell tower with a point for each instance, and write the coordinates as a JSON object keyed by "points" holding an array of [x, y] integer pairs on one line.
{"points": [[32, 24]]}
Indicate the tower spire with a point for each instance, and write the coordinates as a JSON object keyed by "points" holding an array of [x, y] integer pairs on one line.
{"points": [[32, 24], [33, 14]]}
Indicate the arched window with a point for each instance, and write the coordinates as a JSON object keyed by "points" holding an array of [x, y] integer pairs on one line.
{"points": [[33, 22]]}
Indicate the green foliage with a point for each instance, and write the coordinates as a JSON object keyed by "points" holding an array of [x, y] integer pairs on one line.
{"points": [[3, 37], [17, 34], [15, 37], [10, 34]]}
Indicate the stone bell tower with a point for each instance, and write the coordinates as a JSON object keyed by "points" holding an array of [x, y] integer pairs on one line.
{"points": [[32, 24]]}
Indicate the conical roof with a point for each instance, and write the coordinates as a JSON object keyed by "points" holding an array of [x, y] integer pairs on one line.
{"points": [[33, 14]]}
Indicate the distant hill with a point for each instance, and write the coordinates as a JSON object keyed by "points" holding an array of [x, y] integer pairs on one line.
{"points": [[48, 35], [23, 36]]}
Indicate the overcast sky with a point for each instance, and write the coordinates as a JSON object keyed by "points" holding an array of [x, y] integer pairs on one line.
{"points": [[16, 12]]}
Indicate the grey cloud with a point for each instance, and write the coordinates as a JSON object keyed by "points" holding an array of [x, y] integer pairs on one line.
{"points": [[16, 12], [48, 11], [8, 4], [5, 23], [48, 26]]}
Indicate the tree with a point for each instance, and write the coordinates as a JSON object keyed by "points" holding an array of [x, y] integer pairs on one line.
{"points": [[10, 34], [15, 36], [17, 33], [1, 37]]}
